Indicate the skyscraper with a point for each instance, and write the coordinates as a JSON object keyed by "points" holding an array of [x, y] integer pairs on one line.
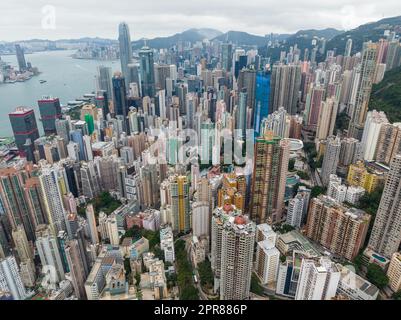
{"points": [[247, 80], [10, 278], [25, 130], [20, 58], [340, 229], [180, 208], [119, 94], [331, 158], [359, 111], [318, 279], [285, 85], [104, 80], [226, 56], [233, 239], [50, 110], [124, 39], [90, 217], [76, 267], [49, 253], [269, 178], [385, 238], [147, 72], [261, 100]]}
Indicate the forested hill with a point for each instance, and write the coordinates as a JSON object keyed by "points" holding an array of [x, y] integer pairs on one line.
{"points": [[386, 96]]}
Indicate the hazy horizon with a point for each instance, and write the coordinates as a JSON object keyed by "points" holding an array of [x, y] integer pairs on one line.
{"points": [[54, 19]]}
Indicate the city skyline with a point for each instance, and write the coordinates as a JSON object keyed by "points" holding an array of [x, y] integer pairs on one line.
{"points": [[51, 20]]}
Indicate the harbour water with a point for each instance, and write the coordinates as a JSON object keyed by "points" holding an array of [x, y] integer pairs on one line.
{"points": [[66, 78]]}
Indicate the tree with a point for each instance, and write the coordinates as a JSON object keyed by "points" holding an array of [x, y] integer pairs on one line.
{"points": [[397, 295], [316, 191], [256, 288], [291, 165], [377, 276], [206, 273]]}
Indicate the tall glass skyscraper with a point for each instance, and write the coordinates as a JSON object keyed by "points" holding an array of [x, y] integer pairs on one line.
{"points": [[124, 39], [261, 100], [147, 72]]}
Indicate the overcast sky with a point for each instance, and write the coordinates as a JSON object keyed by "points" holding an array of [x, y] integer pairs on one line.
{"points": [[58, 19]]}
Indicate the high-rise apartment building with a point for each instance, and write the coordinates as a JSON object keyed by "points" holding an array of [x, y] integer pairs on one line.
{"points": [[374, 121], [76, 268], [388, 143], [331, 158], [285, 86], [269, 178], [10, 279], [385, 238], [394, 272], [180, 208], [233, 239], [341, 230], [360, 109], [318, 280]]}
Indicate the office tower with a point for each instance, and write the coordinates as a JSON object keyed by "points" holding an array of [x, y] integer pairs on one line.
{"points": [[200, 219], [162, 72], [76, 268], [340, 229], [13, 202], [233, 238], [20, 58], [90, 217], [25, 129], [10, 279], [104, 80], [278, 122], [386, 233], [124, 39], [247, 80], [119, 94], [327, 119], [179, 199], [191, 109], [388, 143], [35, 202], [63, 129], [241, 118], [331, 158], [50, 179], [394, 272], [267, 261], [147, 72], [50, 111], [348, 48], [318, 280], [285, 86], [21, 243], [226, 56], [359, 111], [269, 178], [261, 100], [49, 253], [371, 131]]}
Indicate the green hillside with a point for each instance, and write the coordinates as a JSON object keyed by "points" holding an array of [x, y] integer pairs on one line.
{"points": [[386, 96]]}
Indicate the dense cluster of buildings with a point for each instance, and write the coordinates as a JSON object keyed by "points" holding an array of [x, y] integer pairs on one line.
{"points": [[195, 143]]}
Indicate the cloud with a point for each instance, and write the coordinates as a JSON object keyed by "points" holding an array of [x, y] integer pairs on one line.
{"points": [[23, 19]]}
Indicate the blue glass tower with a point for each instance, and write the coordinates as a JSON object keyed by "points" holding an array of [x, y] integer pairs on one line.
{"points": [[261, 100]]}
